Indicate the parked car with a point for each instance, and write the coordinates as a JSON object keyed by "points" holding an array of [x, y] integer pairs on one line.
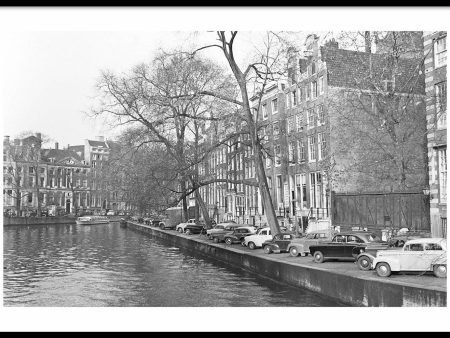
{"points": [[219, 236], [195, 228], [346, 246], [279, 243], [217, 228], [256, 240], [110, 213], [423, 254], [402, 237], [300, 246], [238, 235], [180, 227]]}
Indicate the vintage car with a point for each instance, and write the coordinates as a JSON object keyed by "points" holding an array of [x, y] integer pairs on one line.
{"points": [[401, 237], [347, 246], [195, 228], [238, 235], [423, 254], [256, 240], [279, 243], [300, 246], [261, 235], [227, 229], [218, 227], [231, 229], [180, 227]]}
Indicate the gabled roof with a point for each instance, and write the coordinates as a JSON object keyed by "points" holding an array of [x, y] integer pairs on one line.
{"points": [[61, 155], [351, 69], [97, 143]]}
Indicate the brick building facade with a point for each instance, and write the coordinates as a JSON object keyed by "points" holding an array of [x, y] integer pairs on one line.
{"points": [[435, 54]]}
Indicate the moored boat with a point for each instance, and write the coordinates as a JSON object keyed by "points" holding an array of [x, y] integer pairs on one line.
{"points": [[90, 220]]}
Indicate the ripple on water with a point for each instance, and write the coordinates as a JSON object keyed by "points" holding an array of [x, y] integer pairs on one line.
{"points": [[111, 266]]}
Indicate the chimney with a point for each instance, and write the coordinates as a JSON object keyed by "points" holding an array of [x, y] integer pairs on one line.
{"points": [[38, 136], [56, 145], [367, 42], [6, 139], [100, 138], [332, 43]]}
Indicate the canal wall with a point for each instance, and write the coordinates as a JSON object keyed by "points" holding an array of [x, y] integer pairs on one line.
{"points": [[355, 291], [38, 220]]}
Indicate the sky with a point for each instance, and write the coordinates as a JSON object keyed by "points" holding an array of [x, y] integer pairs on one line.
{"points": [[50, 60]]}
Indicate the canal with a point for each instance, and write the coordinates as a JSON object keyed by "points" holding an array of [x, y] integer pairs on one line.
{"points": [[110, 266]]}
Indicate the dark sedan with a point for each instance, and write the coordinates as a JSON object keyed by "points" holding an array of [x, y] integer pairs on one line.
{"points": [[279, 243], [347, 246], [238, 235], [193, 229], [233, 230]]}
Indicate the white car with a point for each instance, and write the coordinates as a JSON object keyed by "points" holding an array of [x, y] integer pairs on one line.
{"points": [[256, 240], [423, 254], [180, 227]]}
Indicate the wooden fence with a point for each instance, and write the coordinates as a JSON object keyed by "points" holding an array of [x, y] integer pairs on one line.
{"points": [[377, 211]]}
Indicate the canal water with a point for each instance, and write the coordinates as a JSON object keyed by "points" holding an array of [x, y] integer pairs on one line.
{"points": [[110, 266]]}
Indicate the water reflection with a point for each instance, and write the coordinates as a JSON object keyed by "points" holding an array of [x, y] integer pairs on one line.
{"points": [[106, 265]]}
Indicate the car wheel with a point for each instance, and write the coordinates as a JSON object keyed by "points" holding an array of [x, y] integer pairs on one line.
{"points": [[216, 240], [293, 251], [228, 241], [180, 230], [383, 270], [187, 232], [318, 257], [440, 271], [208, 236], [251, 246], [267, 249], [161, 226], [243, 242], [364, 263]]}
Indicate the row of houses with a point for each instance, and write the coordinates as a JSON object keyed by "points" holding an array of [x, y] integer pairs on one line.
{"points": [[366, 124], [57, 181]]}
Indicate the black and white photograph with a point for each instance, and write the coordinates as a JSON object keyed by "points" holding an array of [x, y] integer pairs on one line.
{"points": [[224, 169]]}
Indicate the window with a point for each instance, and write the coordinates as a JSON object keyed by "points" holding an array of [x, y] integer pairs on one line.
{"points": [[389, 85], [316, 192], [414, 247], [313, 89], [312, 148], [441, 104], [301, 94], [299, 121], [320, 115], [321, 85], [308, 92], [274, 106], [31, 170], [440, 52], [277, 155], [300, 151], [322, 146], [313, 68], [300, 183], [291, 124], [432, 246], [279, 189], [268, 162], [442, 158], [310, 118], [264, 111], [276, 130], [294, 98], [291, 153]]}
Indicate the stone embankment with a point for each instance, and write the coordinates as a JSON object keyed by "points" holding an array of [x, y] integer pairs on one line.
{"points": [[342, 281]]}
